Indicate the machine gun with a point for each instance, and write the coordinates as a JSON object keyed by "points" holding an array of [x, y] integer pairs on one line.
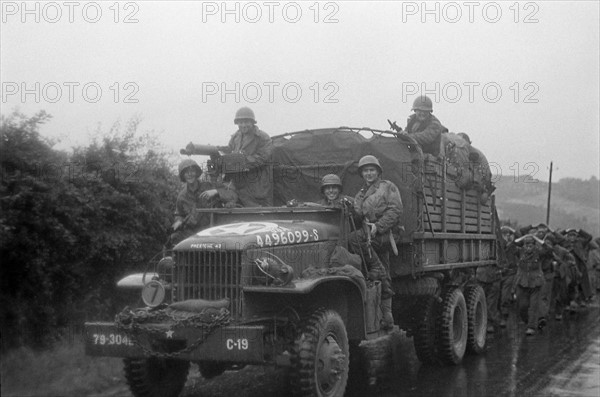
{"points": [[228, 163], [204, 150]]}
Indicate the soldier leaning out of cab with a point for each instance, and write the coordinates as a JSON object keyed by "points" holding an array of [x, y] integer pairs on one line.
{"points": [[331, 193], [196, 194], [378, 208]]}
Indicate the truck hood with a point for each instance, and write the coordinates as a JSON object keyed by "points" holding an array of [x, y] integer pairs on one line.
{"points": [[236, 236]]}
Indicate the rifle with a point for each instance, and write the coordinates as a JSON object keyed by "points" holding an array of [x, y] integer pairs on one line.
{"points": [[348, 211], [394, 126], [366, 226]]}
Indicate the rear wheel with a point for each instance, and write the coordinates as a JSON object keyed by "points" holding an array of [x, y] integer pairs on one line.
{"points": [[452, 341], [320, 356], [424, 332], [476, 319], [156, 377]]}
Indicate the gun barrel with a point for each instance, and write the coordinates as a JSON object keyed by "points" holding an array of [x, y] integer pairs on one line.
{"points": [[205, 150]]}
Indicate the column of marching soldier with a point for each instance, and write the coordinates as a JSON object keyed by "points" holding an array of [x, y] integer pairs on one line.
{"points": [[541, 271]]}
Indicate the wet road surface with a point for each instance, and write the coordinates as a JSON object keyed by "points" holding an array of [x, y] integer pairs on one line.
{"points": [[562, 360]]}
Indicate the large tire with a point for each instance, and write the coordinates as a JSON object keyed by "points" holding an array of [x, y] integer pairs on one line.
{"points": [[476, 319], [320, 356], [452, 323], [211, 369], [424, 332], [156, 377]]}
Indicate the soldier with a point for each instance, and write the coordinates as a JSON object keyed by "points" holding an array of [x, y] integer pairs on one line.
{"points": [[424, 127], [548, 266], [479, 170], [253, 182], [196, 194], [378, 206], [528, 282], [594, 264], [565, 269], [331, 190], [508, 273], [489, 277], [577, 242]]}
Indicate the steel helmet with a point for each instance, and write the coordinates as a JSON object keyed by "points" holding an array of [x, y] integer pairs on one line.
{"points": [[507, 229], [423, 103], [185, 164], [244, 113], [331, 180], [369, 160]]}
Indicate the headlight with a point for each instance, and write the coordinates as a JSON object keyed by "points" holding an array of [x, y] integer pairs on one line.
{"points": [[278, 273]]}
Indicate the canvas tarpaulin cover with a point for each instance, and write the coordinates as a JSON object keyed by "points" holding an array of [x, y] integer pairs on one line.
{"points": [[301, 159]]}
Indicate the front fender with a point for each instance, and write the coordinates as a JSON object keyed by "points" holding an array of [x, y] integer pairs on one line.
{"points": [[340, 293], [304, 286]]}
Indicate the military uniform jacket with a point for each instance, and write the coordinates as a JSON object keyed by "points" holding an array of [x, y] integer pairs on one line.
{"points": [[254, 186], [256, 146], [189, 199], [512, 258], [488, 274], [381, 204], [428, 134], [529, 273], [567, 268]]}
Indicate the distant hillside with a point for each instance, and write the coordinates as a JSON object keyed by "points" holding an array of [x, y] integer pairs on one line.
{"points": [[574, 202]]}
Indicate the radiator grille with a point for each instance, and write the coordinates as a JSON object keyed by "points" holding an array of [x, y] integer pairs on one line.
{"points": [[209, 275]]}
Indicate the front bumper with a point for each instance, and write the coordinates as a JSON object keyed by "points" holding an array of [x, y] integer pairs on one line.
{"points": [[236, 344]]}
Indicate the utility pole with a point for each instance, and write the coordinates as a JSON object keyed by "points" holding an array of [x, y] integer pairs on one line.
{"points": [[549, 193]]}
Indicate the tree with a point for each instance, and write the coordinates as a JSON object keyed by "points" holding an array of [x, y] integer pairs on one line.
{"points": [[69, 227]]}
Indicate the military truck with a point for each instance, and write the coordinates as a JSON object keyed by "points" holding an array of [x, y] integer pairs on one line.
{"points": [[276, 286]]}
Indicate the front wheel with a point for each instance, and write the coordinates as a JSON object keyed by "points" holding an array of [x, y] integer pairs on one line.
{"points": [[211, 369], [320, 356], [156, 377]]}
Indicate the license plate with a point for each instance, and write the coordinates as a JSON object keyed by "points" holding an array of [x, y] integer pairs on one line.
{"points": [[103, 339]]}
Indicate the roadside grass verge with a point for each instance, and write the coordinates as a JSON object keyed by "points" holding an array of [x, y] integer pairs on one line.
{"points": [[64, 370]]}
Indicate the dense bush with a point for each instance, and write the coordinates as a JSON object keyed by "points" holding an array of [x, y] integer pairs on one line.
{"points": [[71, 225]]}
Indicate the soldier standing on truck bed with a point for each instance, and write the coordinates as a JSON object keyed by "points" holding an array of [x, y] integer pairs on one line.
{"points": [[378, 206], [253, 182], [196, 194], [424, 127]]}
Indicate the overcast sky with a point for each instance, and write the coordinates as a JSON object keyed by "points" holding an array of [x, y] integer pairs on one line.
{"points": [[522, 79]]}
